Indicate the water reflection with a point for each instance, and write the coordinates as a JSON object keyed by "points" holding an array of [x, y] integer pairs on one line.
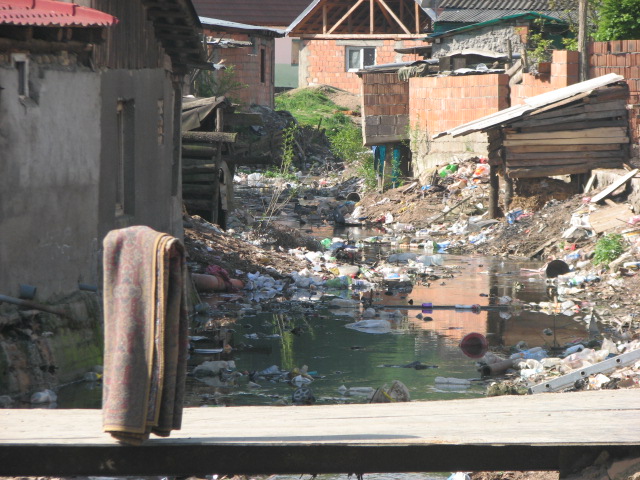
{"points": [[342, 359]]}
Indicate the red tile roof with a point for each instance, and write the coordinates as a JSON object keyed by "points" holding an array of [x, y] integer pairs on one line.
{"points": [[52, 13], [265, 13]]}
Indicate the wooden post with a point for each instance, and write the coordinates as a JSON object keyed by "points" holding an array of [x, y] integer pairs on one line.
{"points": [[494, 191], [582, 40], [324, 19], [371, 12], [417, 10], [509, 55]]}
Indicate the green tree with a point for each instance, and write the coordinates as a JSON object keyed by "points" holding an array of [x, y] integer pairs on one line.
{"points": [[618, 20]]}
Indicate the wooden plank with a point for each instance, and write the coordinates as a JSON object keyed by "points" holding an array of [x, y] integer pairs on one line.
{"points": [[604, 132], [556, 148], [543, 157], [578, 117], [589, 163], [534, 432], [580, 108], [609, 217], [614, 186], [537, 172], [570, 141], [579, 125]]}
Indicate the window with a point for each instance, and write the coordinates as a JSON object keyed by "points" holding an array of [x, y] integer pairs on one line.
{"points": [[360, 57], [125, 175], [22, 67], [263, 65]]}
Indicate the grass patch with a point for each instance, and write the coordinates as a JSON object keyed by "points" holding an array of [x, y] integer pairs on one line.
{"points": [[309, 106], [312, 107]]}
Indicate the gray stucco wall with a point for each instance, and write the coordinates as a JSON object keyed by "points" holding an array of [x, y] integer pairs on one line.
{"points": [[491, 38], [157, 193], [49, 171], [58, 165]]}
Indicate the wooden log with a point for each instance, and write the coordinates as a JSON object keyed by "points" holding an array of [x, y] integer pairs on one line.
{"points": [[556, 148], [569, 141], [209, 137], [536, 172], [196, 162], [197, 189], [202, 168], [575, 134], [199, 177], [197, 151], [198, 204]]}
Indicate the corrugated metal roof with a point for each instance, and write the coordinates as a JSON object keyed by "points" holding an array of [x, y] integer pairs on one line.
{"points": [[499, 4], [52, 13], [225, 24], [531, 104], [269, 13], [479, 16], [520, 16]]}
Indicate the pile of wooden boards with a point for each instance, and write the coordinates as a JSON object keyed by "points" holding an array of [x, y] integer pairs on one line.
{"points": [[573, 136]]}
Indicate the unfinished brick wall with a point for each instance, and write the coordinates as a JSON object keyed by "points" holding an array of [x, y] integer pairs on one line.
{"points": [[441, 103], [563, 70], [323, 61], [249, 69], [621, 57], [385, 108]]}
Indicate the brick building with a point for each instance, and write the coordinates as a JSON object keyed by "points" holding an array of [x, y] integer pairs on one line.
{"points": [[338, 40]]}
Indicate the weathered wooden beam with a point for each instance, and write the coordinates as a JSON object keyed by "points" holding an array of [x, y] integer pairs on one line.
{"points": [[199, 168], [195, 189], [570, 134], [198, 151], [580, 125], [537, 172], [395, 17], [570, 141], [614, 186], [548, 162], [344, 17], [209, 137], [199, 177], [562, 119], [542, 158], [542, 148]]}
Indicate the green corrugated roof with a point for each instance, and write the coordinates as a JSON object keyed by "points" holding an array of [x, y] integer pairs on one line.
{"points": [[525, 16]]}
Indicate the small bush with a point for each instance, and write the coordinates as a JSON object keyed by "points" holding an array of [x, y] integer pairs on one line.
{"points": [[608, 248]]}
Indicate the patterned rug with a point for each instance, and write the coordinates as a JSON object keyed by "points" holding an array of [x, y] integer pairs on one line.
{"points": [[146, 334]]}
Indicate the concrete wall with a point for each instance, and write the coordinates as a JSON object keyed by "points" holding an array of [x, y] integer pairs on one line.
{"points": [[323, 61], [49, 177], [157, 201], [492, 38], [437, 104], [385, 108], [247, 68], [621, 57]]}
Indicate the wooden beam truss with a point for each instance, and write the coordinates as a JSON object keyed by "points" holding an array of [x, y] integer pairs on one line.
{"points": [[364, 17]]}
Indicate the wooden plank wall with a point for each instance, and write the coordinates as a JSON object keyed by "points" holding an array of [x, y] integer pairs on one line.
{"points": [[589, 133]]}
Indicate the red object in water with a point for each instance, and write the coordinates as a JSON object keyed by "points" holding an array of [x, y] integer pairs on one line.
{"points": [[474, 345], [50, 13]]}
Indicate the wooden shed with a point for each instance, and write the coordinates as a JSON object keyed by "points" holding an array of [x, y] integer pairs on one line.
{"points": [[568, 131]]}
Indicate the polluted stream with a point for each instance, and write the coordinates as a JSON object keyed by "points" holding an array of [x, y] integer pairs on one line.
{"points": [[323, 351]]}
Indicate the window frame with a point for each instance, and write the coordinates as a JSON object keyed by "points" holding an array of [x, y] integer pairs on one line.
{"points": [[361, 49]]}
